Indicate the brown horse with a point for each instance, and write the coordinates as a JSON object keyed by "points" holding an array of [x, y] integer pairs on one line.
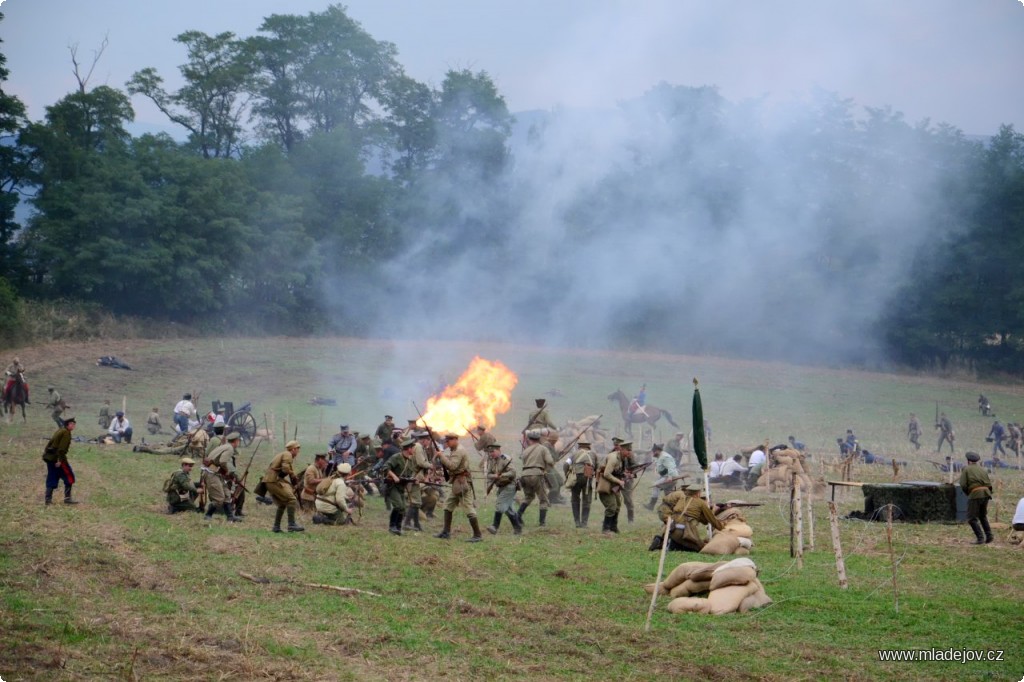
{"points": [[651, 418], [17, 395]]}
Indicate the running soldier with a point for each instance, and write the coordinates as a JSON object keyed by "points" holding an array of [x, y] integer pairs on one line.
{"points": [[584, 464], [502, 475], [456, 461], [946, 434], [914, 431], [537, 460], [280, 479]]}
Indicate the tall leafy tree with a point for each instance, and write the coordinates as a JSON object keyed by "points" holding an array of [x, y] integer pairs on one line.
{"points": [[13, 169]]}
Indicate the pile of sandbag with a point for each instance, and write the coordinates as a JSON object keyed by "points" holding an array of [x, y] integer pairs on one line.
{"points": [[779, 476], [600, 439], [730, 586], [736, 538]]}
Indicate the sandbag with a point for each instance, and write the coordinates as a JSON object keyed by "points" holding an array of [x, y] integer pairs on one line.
{"points": [[1016, 537], [649, 588], [688, 605], [746, 543], [742, 551], [685, 570], [722, 543], [692, 587], [782, 460], [756, 600], [730, 514], [732, 575], [736, 563], [703, 573], [728, 599], [739, 529]]}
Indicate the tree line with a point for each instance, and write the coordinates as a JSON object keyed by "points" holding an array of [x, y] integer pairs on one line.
{"points": [[308, 159]]}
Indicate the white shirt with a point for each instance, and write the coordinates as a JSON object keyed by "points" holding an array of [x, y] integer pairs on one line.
{"points": [[731, 467], [118, 425], [1018, 516], [716, 469], [756, 457], [185, 407]]}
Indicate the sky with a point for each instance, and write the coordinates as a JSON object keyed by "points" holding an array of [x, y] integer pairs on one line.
{"points": [[952, 61]]}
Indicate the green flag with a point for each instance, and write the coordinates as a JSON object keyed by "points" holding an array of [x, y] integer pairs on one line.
{"points": [[700, 445]]}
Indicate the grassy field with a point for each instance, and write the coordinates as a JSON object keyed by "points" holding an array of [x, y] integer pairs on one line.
{"points": [[115, 589]]}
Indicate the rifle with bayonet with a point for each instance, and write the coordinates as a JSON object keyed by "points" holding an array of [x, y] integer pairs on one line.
{"points": [[433, 444], [241, 482], [578, 436]]}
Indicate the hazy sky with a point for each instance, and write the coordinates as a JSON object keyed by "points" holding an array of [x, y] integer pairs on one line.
{"points": [[957, 61]]}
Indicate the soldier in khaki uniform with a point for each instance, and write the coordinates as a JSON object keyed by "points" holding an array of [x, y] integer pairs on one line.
{"points": [[399, 471], [181, 491], [218, 476], [311, 478], [332, 495], [537, 460], [539, 418], [153, 424], [279, 480], [501, 474], [689, 513], [483, 440], [456, 461], [975, 482], [105, 416], [385, 430], [584, 465], [421, 474], [610, 483]]}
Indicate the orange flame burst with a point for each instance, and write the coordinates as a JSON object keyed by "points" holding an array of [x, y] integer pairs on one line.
{"points": [[482, 393]]}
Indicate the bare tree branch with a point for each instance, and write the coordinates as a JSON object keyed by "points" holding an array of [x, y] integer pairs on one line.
{"points": [[83, 81]]}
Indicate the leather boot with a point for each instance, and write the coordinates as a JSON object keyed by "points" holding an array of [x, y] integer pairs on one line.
{"points": [[576, 510], [614, 525], [277, 519], [543, 518], [988, 530], [67, 496], [493, 528], [522, 508], [415, 513], [210, 508], [516, 528], [447, 531], [606, 525], [229, 511], [475, 525], [629, 519], [407, 523], [650, 504], [584, 515], [49, 495], [292, 526], [397, 530]]}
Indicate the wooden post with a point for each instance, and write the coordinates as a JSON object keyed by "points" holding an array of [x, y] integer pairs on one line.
{"points": [[810, 522], [661, 568], [124, 404], [320, 430], [892, 557], [792, 525], [833, 520], [799, 522]]}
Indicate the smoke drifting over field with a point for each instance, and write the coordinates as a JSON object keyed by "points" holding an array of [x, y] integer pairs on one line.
{"points": [[681, 222]]}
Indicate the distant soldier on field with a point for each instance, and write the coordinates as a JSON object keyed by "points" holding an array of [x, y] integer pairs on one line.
{"points": [[105, 416], [584, 467], [153, 424], [56, 405], [674, 447], [279, 479], [665, 467], [996, 435], [914, 431], [184, 412], [11, 375], [984, 406], [537, 460], [181, 491], [58, 469], [456, 461], [1015, 437], [946, 434], [502, 477]]}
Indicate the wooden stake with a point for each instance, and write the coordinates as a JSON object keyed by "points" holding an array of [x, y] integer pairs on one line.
{"points": [[892, 557], [833, 520], [661, 568], [792, 525], [810, 522], [124, 404], [320, 430], [799, 522]]}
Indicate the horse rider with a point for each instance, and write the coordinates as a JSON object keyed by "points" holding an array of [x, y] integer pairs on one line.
{"points": [[639, 402], [14, 371]]}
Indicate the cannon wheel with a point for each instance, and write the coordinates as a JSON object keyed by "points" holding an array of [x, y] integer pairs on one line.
{"points": [[245, 424]]}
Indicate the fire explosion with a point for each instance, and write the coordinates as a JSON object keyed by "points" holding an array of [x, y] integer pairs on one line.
{"points": [[482, 393]]}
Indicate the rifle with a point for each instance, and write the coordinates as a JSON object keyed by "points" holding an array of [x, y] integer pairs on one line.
{"points": [[490, 486], [245, 474], [671, 480], [433, 443], [471, 434], [578, 436], [936, 414]]}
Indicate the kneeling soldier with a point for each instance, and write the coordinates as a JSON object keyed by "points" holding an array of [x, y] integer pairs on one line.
{"points": [[181, 491], [332, 498]]}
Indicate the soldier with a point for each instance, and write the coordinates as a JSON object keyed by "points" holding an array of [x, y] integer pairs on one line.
{"points": [[56, 405], [797, 445], [584, 464], [12, 372], [537, 460], [689, 512], [975, 482], [386, 428], [1015, 437], [946, 434], [674, 447], [120, 428], [914, 431], [105, 416], [610, 483], [181, 491], [218, 473], [502, 475], [422, 469], [455, 460], [996, 434], [55, 454], [311, 478], [332, 495], [341, 447], [665, 466], [399, 472], [153, 424], [539, 418], [184, 412], [483, 440], [408, 432], [629, 478], [279, 479]]}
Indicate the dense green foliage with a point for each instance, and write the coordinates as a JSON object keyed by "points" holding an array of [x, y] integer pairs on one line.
{"points": [[316, 180]]}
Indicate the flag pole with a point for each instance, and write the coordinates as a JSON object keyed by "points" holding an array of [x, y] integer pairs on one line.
{"points": [[700, 445]]}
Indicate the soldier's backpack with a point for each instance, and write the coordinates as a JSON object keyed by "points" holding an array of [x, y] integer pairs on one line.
{"points": [[169, 483]]}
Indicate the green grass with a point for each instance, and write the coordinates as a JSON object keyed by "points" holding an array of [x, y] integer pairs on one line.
{"points": [[115, 589]]}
